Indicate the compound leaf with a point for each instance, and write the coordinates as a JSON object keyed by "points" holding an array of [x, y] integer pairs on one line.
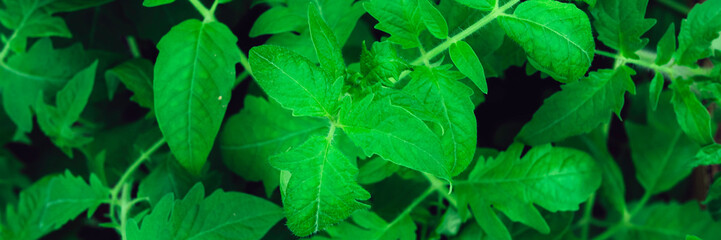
{"points": [[621, 23], [579, 107], [322, 190], [193, 76], [217, 216], [246, 150], [381, 64], [556, 36], [294, 81]]}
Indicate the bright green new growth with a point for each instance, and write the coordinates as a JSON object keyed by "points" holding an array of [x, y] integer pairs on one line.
{"points": [[193, 76], [556, 36]]}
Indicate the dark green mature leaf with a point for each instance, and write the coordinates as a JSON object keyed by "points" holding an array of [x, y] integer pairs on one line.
{"points": [[369, 225], [57, 122], [325, 43], [556, 36], [484, 5], [692, 116], [382, 64], [621, 23], [672, 221], [375, 169], [449, 100], [166, 178], [468, 63], [663, 155], [579, 107], [137, 76], [263, 129], [11, 178], [666, 46], [218, 216], [402, 19], [698, 30], [432, 18], [322, 190], [295, 82], [381, 128], [555, 178], [194, 74], [41, 69], [713, 199], [50, 203]]}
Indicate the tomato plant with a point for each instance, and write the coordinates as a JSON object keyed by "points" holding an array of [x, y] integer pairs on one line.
{"points": [[360, 119]]}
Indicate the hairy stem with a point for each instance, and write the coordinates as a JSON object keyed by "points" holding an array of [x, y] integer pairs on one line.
{"points": [[647, 61]]}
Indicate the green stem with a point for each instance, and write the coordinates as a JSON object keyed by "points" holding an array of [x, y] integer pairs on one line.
{"points": [[587, 216], [133, 45], [135, 165], [124, 209], [440, 186], [646, 196], [648, 63], [245, 63], [207, 14], [497, 11], [626, 218], [408, 209], [610, 232], [680, 8], [242, 76]]}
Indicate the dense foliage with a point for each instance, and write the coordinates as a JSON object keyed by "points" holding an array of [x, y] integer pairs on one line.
{"points": [[422, 119]]}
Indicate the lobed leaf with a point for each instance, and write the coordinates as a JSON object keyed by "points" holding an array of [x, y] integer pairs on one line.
{"points": [[693, 118], [325, 43], [698, 30], [402, 19], [621, 23], [137, 76]]}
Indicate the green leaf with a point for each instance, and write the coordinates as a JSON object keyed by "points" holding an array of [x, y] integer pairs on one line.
{"points": [[155, 3], [381, 64], [218, 216], [579, 107], [621, 23], [654, 91], [137, 76], [11, 177], [483, 5], [433, 19], [667, 221], [709, 155], [193, 76], [375, 170], [57, 122], [486, 216], [555, 178], [50, 203], [166, 178], [556, 36], [263, 129], [41, 69], [440, 91], [698, 30], [325, 43], [692, 116], [276, 20], [322, 190], [468, 63], [662, 157], [369, 225], [402, 19], [666, 46], [381, 128], [295, 82]]}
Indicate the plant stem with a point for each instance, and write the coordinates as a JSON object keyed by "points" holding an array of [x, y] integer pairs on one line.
{"points": [[670, 69], [497, 11], [440, 186], [124, 209], [245, 63], [646, 196], [680, 8], [135, 165], [207, 14], [610, 232], [626, 219], [587, 216], [408, 209]]}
